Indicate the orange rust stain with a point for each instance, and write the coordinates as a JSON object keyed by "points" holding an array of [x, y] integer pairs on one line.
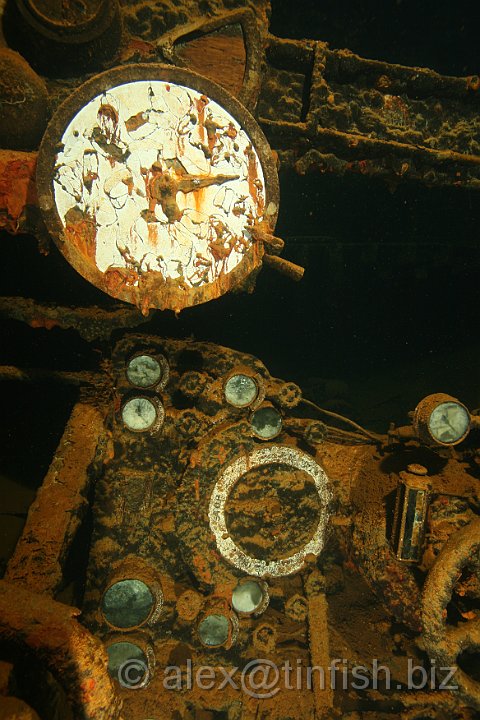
{"points": [[199, 198], [202, 567], [83, 235], [43, 322], [201, 103], [17, 187], [152, 234], [118, 278], [473, 82]]}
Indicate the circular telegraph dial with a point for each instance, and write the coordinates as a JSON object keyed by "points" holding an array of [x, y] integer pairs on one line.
{"points": [[149, 179]]}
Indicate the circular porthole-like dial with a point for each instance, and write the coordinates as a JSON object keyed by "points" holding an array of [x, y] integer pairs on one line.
{"points": [[449, 422], [442, 419], [151, 178]]}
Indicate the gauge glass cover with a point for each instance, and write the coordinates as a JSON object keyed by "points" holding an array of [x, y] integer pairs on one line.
{"points": [[139, 413], [449, 422]]}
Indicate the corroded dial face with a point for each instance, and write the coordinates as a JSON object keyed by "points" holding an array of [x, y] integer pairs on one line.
{"points": [[449, 423], [154, 184]]}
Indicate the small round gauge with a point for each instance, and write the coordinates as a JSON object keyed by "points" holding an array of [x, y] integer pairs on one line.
{"points": [[127, 603], [214, 630], [139, 413], [249, 597], [240, 390], [144, 371], [266, 423], [442, 419], [449, 423], [128, 664]]}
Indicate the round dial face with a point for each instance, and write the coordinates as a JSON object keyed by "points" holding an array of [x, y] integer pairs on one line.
{"points": [[127, 603], [127, 663], [240, 390], [144, 371], [139, 413], [266, 423], [154, 187], [247, 597], [214, 630], [449, 423]]}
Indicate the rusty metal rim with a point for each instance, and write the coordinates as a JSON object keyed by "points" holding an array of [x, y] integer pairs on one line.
{"points": [[258, 380], [262, 606], [166, 298], [233, 628], [142, 641]]}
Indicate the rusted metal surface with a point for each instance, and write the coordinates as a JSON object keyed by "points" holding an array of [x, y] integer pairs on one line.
{"points": [[60, 504], [23, 101], [369, 117], [60, 38], [152, 524], [232, 40], [18, 193], [155, 510], [443, 640], [35, 623], [150, 527], [91, 323]]}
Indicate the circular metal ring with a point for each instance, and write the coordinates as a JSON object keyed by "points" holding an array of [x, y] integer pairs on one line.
{"points": [[226, 481]]}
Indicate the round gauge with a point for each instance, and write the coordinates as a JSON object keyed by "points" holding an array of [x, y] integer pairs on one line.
{"points": [[144, 371], [442, 419], [449, 423], [240, 390], [214, 630], [139, 414], [127, 603], [150, 178], [266, 423], [249, 597], [128, 664]]}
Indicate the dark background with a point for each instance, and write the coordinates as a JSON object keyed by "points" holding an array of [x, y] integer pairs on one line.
{"points": [[388, 306]]}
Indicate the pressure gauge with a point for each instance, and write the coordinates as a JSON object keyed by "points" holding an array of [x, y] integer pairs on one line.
{"points": [[441, 419], [147, 371], [240, 390], [141, 413], [266, 423]]}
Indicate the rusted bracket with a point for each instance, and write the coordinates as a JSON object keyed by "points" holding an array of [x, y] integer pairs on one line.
{"points": [[369, 117], [202, 45], [55, 515], [92, 323], [76, 658]]}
